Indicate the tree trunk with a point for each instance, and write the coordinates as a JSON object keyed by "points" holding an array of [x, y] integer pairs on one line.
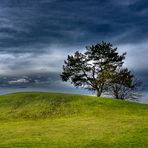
{"points": [[98, 93]]}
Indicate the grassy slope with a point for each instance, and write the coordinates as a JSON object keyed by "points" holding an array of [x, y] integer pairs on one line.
{"points": [[61, 120]]}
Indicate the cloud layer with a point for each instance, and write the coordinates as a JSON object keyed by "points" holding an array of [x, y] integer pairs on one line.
{"points": [[33, 24]]}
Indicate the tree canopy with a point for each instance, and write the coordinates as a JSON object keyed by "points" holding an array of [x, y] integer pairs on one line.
{"points": [[96, 69], [123, 84]]}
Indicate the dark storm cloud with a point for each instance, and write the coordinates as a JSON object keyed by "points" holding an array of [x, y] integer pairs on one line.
{"points": [[35, 23], [30, 80]]}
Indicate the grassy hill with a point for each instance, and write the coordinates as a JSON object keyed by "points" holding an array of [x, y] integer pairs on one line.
{"points": [[42, 120]]}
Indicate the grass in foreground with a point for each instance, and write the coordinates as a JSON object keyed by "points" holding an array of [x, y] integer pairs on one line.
{"points": [[41, 120]]}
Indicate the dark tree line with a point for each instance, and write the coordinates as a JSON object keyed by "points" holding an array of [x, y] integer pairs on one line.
{"points": [[100, 69]]}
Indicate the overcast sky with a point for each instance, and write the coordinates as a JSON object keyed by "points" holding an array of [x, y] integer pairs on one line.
{"points": [[37, 35]]}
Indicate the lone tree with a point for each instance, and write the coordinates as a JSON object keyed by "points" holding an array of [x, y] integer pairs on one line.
{"points": [[92, 69], [123, 85]]}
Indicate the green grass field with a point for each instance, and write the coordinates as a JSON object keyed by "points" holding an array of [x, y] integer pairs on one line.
{"points": [[52, 120]]}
